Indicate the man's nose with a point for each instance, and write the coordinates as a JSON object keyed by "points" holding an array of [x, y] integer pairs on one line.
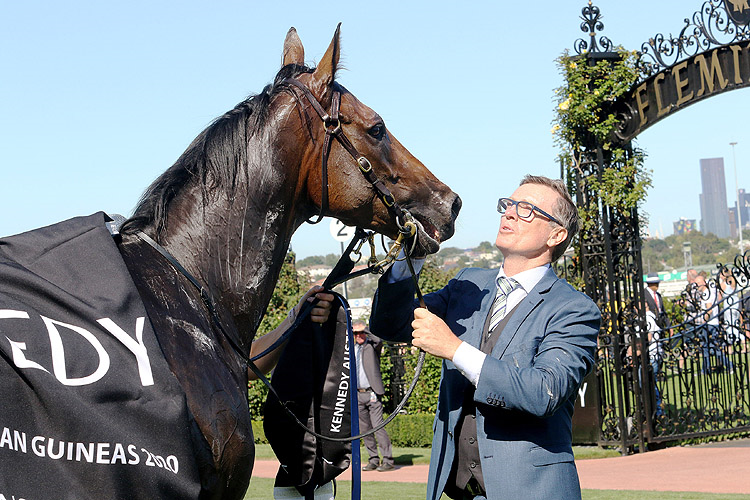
{"points": [[511, 211]]}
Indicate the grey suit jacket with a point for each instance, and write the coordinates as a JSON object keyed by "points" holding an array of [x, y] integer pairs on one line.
{"points": [[371, 363], [527, 386]]}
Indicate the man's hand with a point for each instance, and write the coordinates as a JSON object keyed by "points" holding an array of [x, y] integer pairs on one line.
{"points": [[321, 310], [432, 335]]}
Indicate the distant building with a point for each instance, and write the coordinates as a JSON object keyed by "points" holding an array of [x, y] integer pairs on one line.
{"points": [[714, 212], [684, 225]]}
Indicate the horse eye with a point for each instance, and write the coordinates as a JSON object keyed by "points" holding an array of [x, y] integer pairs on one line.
{"points": [[377, 131]]}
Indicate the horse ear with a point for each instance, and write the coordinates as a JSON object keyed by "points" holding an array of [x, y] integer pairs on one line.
{"points": [[325, 73], [294, 52]]}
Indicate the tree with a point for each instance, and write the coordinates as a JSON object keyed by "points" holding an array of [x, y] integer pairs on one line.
{"points": [[432, 277], [667, 254], [486, 246]]}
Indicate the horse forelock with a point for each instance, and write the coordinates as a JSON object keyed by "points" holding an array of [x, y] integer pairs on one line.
{"points": [[216, 157]]}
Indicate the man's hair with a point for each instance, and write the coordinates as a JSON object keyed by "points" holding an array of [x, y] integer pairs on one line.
{"points": [[565, 210]]}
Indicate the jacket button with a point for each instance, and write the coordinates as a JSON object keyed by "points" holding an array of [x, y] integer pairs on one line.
{"points": [[472, 440], [473, 465]]}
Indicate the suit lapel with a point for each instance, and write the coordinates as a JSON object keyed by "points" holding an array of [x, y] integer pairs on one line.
{"points": [[474, 332], [522, 311]]}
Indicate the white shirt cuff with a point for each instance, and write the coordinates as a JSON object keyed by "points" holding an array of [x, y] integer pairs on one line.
{"points": [[400, 269], [469, 361]]}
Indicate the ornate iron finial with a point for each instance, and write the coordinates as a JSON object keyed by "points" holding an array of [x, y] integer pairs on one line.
{"points": [[717, 23], [591, 16]]}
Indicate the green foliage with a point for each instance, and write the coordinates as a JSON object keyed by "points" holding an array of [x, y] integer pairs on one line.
{"points": [[432, 277], [448, 252], [425, 395], [666, 254], [586, 118], [318, 260], [486, 246], [584, 102], [391, 363], [411, 430], [257, 392]]}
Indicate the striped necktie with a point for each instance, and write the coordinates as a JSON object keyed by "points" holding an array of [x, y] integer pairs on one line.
{"points": [[505, 285]]}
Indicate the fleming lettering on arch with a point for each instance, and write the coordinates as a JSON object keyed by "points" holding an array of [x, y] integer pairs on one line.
{"points": [[694, 79], [738, 10]]}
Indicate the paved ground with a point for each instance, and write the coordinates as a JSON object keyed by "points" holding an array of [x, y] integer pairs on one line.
{"points": [[716, 468]]}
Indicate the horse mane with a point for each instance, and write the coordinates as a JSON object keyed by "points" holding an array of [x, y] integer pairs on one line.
{"points": [[214, 159]]}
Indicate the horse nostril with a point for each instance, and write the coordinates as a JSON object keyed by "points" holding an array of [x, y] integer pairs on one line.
{"points": [[456, 207]]}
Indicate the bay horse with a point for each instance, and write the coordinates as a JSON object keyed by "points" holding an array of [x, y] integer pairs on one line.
{"points": [[227, 210]]}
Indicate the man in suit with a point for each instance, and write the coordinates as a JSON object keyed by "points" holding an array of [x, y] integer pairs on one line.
{"points": [[370, 391], [654, 300], [516, 344]]}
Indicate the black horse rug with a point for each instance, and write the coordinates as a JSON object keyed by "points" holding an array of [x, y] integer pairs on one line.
{"points": [[88, 406]]}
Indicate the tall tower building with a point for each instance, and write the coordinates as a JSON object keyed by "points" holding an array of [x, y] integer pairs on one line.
{"points": [[714, 210]]}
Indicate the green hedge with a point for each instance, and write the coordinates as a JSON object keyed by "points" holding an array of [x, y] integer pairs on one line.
{"points": [[414, 431]]}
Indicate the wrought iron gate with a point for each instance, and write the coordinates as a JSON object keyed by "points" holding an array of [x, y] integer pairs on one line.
{"points": [[673, 379]]}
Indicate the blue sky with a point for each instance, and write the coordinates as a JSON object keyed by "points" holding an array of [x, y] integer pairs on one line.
{"points": [[98, 98]]}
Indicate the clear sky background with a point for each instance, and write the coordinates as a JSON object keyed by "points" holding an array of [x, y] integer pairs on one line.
{"points": [[98, 98]]}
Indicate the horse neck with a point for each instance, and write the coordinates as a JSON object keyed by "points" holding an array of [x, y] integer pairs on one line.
{"points": [[236, 246]]}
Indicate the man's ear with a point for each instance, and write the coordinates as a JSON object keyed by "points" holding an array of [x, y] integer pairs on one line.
{"points": [[558, 235]]}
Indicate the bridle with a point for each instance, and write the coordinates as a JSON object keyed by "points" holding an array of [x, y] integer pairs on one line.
{"points": [[332, 124]]}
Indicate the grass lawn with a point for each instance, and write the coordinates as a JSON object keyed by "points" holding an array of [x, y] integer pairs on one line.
{"points": [[261, 489]]}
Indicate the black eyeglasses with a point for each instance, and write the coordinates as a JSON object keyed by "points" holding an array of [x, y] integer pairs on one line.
{"points": [[524, 209]]}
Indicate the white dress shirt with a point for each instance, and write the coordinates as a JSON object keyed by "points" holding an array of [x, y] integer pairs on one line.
{"points": [[469, 359]]}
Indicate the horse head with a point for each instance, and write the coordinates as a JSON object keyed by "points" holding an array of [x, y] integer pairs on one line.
{"points": [[343, 191]]}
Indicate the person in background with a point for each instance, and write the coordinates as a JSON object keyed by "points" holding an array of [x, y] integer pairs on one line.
{"points": [[370, 391], [733, 330], [655, 301], [714, 358], [655, 353]]}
